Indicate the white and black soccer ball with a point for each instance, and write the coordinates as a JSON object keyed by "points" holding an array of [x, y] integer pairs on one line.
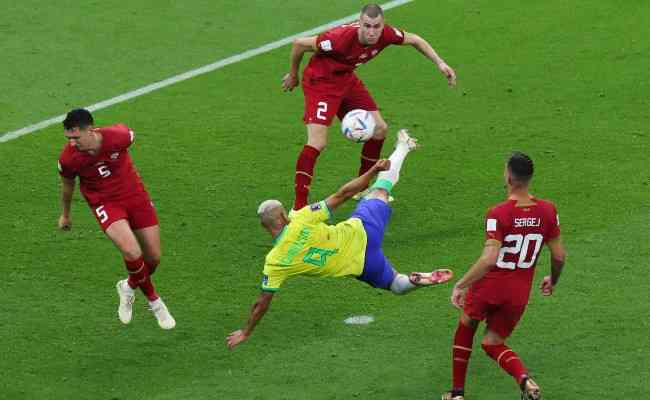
{"points": [[358, 125]]}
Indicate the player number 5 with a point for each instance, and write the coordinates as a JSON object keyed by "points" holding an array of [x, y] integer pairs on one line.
{"points": [[104, 172], [520, 246], [322, 108], [101, 214]]}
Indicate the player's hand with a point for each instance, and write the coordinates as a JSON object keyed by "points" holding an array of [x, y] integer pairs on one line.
{"points": [[382, 165], [448, 72], [289, 82], [458, 297], [65, 224], [546, 286], [235, 338]]}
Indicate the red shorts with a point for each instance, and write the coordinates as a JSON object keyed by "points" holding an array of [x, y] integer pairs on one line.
{"points": [[325, 98], [138, 210], [491, 304]]}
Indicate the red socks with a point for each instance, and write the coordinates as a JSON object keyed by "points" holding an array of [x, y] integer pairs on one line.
{"points": [[139, 277], [507, 359], [461, 351], [304, 174], [370, 154], [151, 266]]}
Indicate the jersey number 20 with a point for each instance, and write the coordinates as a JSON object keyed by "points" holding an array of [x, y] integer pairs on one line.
{"points": [[520, 246]]}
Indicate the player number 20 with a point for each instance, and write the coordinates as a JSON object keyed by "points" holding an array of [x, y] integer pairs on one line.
{"points": [[520, 246]]}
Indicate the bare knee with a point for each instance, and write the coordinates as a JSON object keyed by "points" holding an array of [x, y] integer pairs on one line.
{"points": [[491, 339], [381, 128], [152, 260], [317, 136], [131, 253]]}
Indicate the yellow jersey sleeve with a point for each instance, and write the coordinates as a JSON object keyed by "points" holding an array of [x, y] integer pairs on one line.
{"points": [[311, 214], [273, 278]]}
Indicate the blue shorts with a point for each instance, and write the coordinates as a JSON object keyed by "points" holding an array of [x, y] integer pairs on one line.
{"points": [[377, 270]]}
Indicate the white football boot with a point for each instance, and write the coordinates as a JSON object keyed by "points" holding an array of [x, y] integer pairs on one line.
{"points": [[404, 137], [160, 311], [127, 297]]}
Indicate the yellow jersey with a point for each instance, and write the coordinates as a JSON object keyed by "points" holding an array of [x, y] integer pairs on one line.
{"points": [[308, 246]]}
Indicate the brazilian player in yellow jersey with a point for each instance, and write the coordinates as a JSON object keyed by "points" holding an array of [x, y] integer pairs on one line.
{"points": [[303, 244]]}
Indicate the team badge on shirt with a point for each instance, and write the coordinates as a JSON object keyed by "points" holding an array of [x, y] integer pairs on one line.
{"points": [[315, 207], [114, 156], [326, 45]]}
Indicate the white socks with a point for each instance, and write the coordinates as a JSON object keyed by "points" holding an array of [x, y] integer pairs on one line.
{"points": [[402, 284]]}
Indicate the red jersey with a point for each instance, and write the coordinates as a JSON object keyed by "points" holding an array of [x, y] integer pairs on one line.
{"points": [[522, 232], [108, 175], [340, 52]]}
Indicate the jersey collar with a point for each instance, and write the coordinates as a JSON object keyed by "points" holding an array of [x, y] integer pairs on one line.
{"points": [[282, 233]]}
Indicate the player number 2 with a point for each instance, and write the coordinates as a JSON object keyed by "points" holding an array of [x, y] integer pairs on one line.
{"points": [[322, 108], [101, 214], [520, 246], [104, 172]]}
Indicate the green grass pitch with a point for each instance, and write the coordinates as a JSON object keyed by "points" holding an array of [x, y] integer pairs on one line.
{"points": [[565, 81]]}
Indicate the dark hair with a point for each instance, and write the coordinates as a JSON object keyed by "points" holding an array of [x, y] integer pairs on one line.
{"points": [[78, 118], [372, 10], [521, 167]]}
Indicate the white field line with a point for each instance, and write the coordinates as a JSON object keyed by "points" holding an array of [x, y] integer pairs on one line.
{"points": [[7, 136]]}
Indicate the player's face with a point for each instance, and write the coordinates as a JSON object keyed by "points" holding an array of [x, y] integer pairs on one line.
{"points": [[79, 138], [370, 29]]}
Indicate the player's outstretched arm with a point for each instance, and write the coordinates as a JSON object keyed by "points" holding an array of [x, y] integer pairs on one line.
{"points": [[481, 267], [558, 256], [298, 49], [67, 189], [257, 312], [425, 48], [356, 185]]}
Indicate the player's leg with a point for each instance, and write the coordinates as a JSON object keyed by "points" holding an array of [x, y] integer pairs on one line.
{"points": [[386, 180], [112, 217], [358, 97], [500, 325], [123, 238], [378, 272], [475, 310], [144, 221], [316, 142], [149, 239], [320, 109]]}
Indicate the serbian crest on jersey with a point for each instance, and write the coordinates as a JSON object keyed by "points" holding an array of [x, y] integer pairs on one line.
{"points": [[114, 156], [326, 45]]}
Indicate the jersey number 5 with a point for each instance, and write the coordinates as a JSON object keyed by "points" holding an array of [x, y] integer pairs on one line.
{"points": [[104, 172], [101, 214], [520, 246]]}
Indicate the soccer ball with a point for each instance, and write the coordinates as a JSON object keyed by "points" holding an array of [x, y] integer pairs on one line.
{"points": [[358, 125]]}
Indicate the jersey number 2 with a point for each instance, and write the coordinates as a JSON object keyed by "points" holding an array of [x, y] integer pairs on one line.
{"points": [[322, 108], [520, 246]]}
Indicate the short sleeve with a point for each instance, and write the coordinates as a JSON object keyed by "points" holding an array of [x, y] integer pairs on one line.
{"points": [[328, 42], [312, 214], [493, 227], [554, 223], [116, 138], [272, 279], [392, 35], [65, 170]]}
